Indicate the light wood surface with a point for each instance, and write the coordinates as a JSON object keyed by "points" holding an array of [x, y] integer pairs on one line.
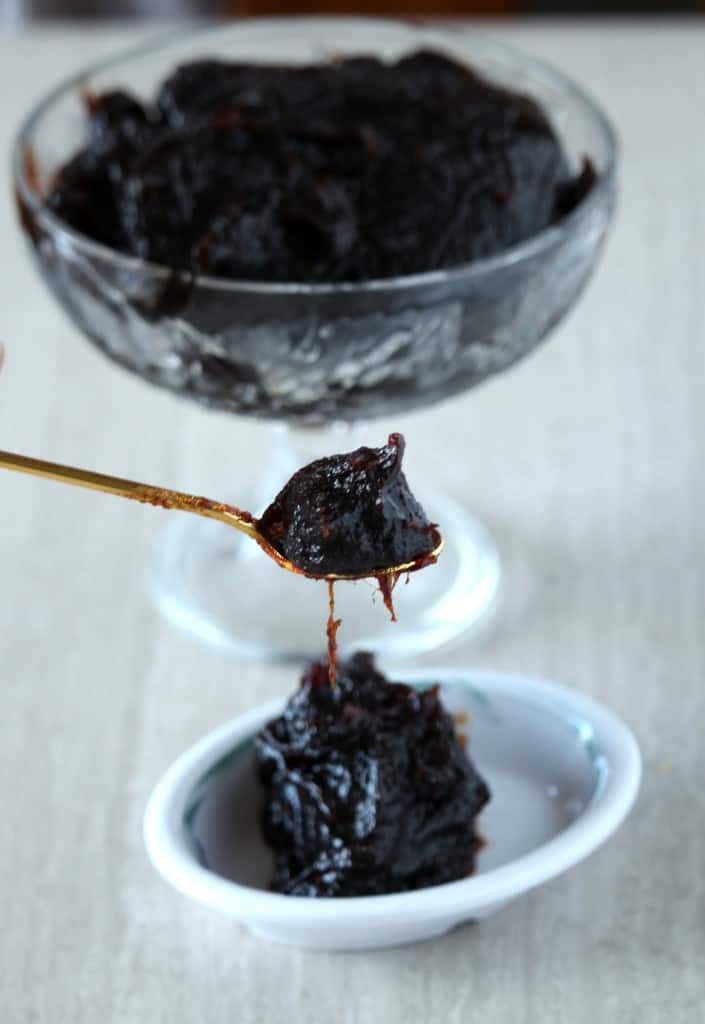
{"points": [[587, 461]]}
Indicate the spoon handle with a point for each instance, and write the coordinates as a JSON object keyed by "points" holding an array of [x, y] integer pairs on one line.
{"points": [[147, 493]]}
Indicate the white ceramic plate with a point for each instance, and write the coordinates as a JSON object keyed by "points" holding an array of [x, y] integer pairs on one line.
{"points": [[563, 771]]}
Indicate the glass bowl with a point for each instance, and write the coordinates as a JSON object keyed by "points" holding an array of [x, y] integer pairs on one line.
{"points": [[316, 354]]}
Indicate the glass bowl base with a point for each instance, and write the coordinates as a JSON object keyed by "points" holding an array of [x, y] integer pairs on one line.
{"points": [[219, 586]]}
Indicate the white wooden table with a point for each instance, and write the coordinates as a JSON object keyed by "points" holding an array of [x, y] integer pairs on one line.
{"points": [[589, 463]]}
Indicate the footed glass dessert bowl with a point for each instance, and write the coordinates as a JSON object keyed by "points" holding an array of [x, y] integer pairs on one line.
{"points": [[317, 354]]}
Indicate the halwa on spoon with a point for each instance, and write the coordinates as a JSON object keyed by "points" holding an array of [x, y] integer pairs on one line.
{"points": [[347, 516]]}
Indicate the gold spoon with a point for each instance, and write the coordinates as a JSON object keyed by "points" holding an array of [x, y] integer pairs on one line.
{"points": [[166, 498]]}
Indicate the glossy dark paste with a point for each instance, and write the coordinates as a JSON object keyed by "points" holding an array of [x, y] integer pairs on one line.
{"points": [[344, 171], [350, 514], [367, 787]]}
